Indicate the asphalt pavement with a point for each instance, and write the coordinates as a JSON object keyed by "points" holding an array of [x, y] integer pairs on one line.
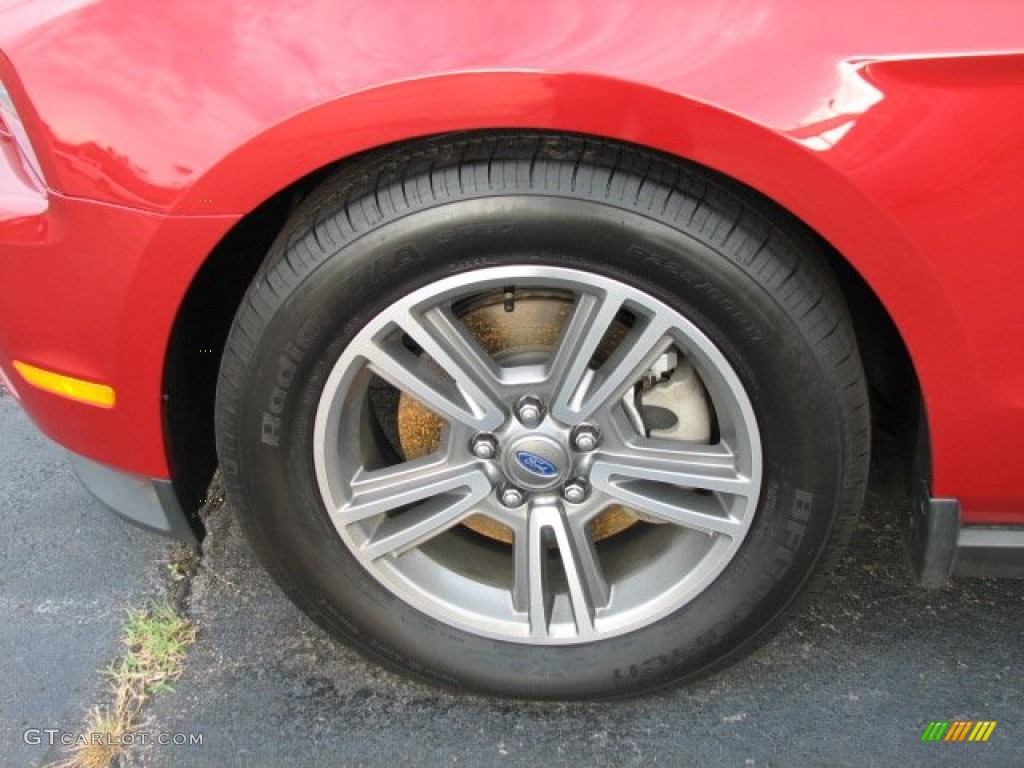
{"points": [[852, 681], [68, 572]]}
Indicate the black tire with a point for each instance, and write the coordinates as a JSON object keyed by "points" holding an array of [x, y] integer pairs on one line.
{"points": [[748, 277]]}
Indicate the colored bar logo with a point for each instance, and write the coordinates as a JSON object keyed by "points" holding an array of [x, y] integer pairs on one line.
{"points": [[958, 730]]}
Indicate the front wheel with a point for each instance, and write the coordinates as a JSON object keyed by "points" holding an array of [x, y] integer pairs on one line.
{"points": [[542, 416]]}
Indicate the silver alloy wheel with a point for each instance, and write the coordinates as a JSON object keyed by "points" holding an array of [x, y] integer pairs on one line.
{"points": [[555, 585]]}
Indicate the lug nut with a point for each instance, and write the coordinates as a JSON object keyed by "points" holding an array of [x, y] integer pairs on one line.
{"points": [[529, 410], [585, 438], [511, 496], [576, 491], [484, 446]]}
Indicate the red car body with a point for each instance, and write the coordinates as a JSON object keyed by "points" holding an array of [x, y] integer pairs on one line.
{"points": [[892, 129]]}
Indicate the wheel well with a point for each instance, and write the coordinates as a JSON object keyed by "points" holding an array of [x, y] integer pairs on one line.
{"points": [[208, 309], [897, 405], [197, 343]]}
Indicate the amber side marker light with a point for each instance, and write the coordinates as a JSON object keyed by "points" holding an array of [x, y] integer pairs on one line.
{"points": [[66, 386]]}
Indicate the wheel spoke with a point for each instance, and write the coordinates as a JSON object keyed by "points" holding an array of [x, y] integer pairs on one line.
{"points": [[450, 378], [447, 342], [631, 358], [384, 490], [587, 589], [688, 465], [661, 479], [686, 509], [446, 336], [579, 391], [588, 323], [440, 513]]}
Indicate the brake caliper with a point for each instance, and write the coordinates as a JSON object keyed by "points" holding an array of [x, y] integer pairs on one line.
{"points": [[672, 401]]}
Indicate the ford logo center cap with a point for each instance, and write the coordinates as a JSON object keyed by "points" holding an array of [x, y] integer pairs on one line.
{"points": [[538, 465]]}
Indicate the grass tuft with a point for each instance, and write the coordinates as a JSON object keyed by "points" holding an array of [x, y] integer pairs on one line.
{"points": [[157, 641]]}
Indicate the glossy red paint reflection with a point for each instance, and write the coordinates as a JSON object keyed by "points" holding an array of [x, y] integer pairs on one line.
{"points": [[891, 128]]}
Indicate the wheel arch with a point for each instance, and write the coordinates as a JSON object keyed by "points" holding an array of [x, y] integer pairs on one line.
{"points": [[263, 179]]}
